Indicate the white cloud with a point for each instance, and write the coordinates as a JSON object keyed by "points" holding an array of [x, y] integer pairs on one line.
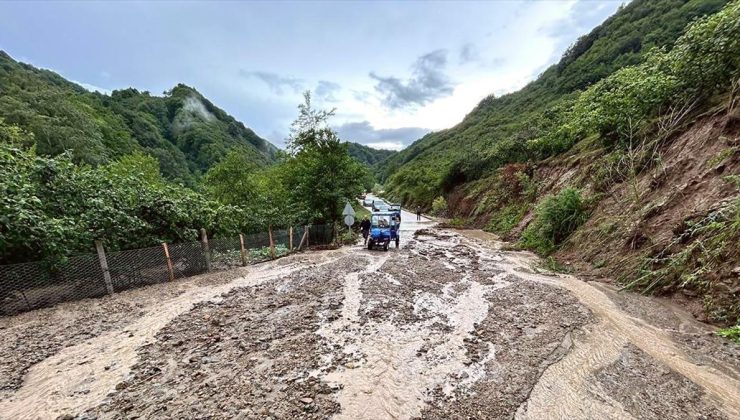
{"points": [[394, 138], [93, 88], [386, 145]]}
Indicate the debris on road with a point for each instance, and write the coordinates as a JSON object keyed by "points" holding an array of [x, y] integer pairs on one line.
{"points": [[445, 327]]}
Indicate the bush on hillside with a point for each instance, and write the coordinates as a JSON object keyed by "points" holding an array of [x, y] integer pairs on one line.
{"points": [[557, 216], [439, 206]]}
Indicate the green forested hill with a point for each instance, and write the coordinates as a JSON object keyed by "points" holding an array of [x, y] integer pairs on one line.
{"points": [[183, 130], [499, 129], [368, 155]]}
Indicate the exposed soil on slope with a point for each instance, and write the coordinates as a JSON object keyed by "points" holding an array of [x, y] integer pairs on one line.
{"points": [[687, 183]]}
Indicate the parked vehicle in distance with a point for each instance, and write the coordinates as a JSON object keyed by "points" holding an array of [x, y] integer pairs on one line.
{"points": [[380, 205], [368, 201]]}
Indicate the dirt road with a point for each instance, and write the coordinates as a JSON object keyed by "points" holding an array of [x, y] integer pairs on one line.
{"points": [[448, 326]]}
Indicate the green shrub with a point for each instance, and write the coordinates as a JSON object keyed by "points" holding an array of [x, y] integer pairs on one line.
{"points": [[732, 333], [262, 253], [556, 217], [551, 264], [439, 206], [458, 222], [348, 236]]}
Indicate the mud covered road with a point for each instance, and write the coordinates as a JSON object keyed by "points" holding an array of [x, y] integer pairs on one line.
{"points": [[448, 326]]}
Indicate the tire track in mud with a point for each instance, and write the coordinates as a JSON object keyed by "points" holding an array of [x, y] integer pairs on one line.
{"points": [[565, 389], [568, 387], [80, 376]]}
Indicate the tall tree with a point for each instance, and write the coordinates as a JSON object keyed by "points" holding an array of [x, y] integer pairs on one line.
{"points": [[321, 174]]}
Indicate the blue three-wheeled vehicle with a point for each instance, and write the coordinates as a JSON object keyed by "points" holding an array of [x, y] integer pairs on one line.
{"points": [[384, 228]]}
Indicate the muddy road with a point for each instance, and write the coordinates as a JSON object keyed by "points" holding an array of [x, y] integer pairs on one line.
{"points": [[448, 326]]}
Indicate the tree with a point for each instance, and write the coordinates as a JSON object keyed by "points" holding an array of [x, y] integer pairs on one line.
{"points": [[232, 181], [320, 174]]}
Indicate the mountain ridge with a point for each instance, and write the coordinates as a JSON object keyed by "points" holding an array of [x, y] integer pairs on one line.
{"points": [[182, 129], [368, 155]]}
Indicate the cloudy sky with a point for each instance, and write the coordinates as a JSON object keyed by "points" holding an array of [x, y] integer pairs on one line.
{"points": [[393, 70]]}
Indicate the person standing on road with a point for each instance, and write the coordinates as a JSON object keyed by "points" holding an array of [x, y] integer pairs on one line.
{"points": [[418, 213], [365, 228]]}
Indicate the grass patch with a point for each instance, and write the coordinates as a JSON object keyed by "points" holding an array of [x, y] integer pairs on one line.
{"points": [[458, 222], [687, 266], [505, 219], [722, 156], [360, 211], [599, 263], [732, 333], [694, 258], [551, 264]]}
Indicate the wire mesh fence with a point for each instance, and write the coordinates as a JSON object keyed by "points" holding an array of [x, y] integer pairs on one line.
{"points": [[137, 267], [321, 234], [35, 285]]}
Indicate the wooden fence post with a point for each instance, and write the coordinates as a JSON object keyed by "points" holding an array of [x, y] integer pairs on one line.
{"points": [[272, 244], [308, 237], [303, 238], [104, 266], [244, 251], [206, 250], [169, 261], [290, 239]]}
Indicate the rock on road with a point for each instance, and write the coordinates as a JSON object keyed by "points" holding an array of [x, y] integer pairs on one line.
{"points": [[448, 326]]}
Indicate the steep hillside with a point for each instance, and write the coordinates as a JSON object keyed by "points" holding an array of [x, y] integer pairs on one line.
{"points": [[368, 155], [497, 130], [635, 179], [182, 129]]}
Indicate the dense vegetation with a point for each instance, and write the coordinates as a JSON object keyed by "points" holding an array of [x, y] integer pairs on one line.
{"points": [[54, 206], [185, 132], [368, 155], [551, 114]]}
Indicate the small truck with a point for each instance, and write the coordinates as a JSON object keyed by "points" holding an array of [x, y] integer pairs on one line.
{"points": [[383, 230]]}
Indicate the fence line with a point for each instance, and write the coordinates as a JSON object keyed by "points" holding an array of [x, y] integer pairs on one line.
{"points": [[34, 285]]}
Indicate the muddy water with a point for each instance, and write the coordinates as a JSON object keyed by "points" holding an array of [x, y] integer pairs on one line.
{"points": [[565, 386], [566, 389], [80, 376]]}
